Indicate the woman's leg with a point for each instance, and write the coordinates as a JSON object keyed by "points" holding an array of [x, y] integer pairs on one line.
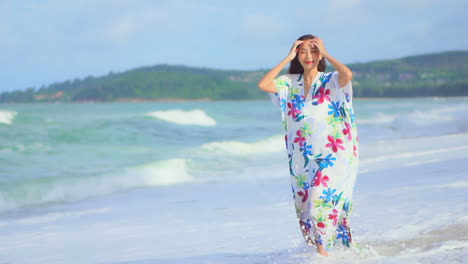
{"points": [[306, 233], [321, 250]]}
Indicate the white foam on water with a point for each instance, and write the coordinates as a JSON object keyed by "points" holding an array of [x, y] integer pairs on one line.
{"points": [[410, 159], [451, 185], [428, 117], [425, 118], [412, 152], [442, 248], [378, 119], [6, 117], [33, 192], [455, 184], [51, 217], [418, 117], [194, 117], [271, 144], [407, 155], [412, 220], [413, 205], [444, 245], [424, 225], [158, 173]]}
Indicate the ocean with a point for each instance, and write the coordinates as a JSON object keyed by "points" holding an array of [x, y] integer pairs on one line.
{"points": [[208, 182]]}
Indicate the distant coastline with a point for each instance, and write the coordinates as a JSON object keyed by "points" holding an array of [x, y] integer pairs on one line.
{"points": [[225, 100], [439, 74], [138, 100], [120, 100]]}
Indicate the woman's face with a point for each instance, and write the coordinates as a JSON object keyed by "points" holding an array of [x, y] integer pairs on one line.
{"points": [[309, 56]]}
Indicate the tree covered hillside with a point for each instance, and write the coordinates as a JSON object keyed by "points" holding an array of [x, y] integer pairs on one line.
{"points": [[441, 74]]}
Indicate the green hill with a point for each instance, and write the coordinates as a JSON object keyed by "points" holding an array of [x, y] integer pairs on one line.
{"points": [[441, 74]]}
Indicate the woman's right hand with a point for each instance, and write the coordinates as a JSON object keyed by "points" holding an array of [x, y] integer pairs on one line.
{"points": [[293, 52]]}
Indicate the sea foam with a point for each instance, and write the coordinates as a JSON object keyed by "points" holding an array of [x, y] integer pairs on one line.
{"points": [[37, 191], [158, 173], [6, 117], [54, 216], [194, 117], [271, 144], [416, 117]]}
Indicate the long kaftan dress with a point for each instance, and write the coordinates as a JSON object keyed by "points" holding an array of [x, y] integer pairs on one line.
{"points": [[322, 145]]}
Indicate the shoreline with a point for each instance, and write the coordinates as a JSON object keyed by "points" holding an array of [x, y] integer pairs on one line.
{"points": [[408, 98], [205, 99], [181, 100]]}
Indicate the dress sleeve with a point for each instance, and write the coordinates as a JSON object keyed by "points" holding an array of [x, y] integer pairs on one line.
{"points": [[346, 91], [283, 84]]}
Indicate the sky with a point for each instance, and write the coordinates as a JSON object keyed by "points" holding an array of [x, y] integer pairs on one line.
{"points": [[47, 41]]}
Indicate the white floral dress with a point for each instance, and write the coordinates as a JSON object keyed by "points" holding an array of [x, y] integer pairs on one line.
{"points": [[322, 145]]}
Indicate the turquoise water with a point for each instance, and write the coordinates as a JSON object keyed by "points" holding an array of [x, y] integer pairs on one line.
{"points": [[213, 170]]}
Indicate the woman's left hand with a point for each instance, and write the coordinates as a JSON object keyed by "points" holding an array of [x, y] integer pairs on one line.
{"points": [[318, 44]]}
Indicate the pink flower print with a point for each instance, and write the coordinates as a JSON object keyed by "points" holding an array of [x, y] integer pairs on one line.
{"points": [[304, 194], [344, 221], [294, 112], [335, 143], [347, 131], [334, 216], [319, 179], [355, 151], [322, 95], [300, 138]]}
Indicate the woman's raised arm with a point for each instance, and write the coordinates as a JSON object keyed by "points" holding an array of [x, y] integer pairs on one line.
{"points": [[267, 83], [345, 74]]}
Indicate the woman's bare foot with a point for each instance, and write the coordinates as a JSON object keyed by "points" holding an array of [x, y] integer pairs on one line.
{"points": [[321, 250]]}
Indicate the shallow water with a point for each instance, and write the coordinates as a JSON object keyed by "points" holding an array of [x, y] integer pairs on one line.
{"points": [[118, 183]]}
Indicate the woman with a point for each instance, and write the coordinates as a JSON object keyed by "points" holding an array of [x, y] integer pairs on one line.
{"points": [[321, 140]]}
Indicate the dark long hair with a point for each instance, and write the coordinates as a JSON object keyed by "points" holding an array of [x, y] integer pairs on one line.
{"points": [[295, 67]]}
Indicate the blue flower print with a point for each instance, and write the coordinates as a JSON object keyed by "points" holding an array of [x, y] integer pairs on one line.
{"points": [[299, 118], [335, 109], [306, 150], [343, 233], [298, 102], [283, 104], [342, 112], [326, 162], [328, 195], [352, 116], [346, 205], [336, 199], [326, 78], [319, 240], [290, 166]]}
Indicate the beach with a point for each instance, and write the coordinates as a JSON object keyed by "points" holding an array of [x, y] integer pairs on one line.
{"points": [[208, 182]]}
